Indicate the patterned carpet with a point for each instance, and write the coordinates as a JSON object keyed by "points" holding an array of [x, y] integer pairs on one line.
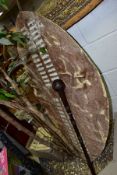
{"points": [[76, 166], [60, 11]]}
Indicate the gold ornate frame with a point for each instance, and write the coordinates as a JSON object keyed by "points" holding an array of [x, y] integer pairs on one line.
{"points": [[82, 13], [66, 12]]}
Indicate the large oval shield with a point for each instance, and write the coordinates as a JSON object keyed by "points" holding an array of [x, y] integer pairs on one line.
{"points": [[60, 57]]}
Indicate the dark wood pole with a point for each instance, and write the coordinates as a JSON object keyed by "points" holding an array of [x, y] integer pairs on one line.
{"points": [[59, 86]]}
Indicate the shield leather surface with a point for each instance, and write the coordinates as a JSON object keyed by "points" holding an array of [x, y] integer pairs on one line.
{"points": [[57, 55]]}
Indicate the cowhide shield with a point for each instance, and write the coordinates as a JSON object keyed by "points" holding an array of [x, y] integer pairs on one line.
{"points": [[57, 55]]}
